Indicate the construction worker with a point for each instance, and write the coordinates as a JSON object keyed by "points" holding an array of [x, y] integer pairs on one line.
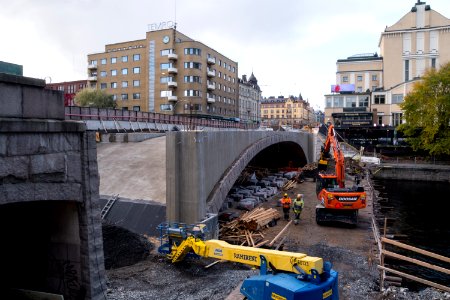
{"points": [[286, 204], [298, 207]]}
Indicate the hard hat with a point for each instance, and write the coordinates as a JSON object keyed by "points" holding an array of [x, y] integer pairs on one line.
{"points": [[285, 195], [299, 195]]}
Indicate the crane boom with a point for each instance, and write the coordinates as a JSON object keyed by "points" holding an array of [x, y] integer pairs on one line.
{"points": [[279, 260]]}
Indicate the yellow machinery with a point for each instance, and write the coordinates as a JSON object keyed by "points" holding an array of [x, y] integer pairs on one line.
{"points": [[283, 275]]}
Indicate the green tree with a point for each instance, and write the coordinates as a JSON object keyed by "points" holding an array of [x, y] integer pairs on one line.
{"points": [[427, 113], [94, 98]]}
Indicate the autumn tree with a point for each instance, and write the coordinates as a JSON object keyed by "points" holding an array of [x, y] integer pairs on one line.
{"points": [[94, 98], [427, 113]]}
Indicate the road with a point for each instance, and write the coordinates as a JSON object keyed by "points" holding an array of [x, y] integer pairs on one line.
{"points": [[133, 170]]}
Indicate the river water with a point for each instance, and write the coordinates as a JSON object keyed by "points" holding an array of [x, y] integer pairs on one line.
{"points": [[419, 215]]}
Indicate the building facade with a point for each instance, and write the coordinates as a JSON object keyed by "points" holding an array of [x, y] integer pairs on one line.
{"points": [[70, 88], [249, 99], [167, 72], [291, 111], [417, 42]]}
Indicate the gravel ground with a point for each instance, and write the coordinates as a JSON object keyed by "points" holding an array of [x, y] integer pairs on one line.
{"points": [[350, 250]]}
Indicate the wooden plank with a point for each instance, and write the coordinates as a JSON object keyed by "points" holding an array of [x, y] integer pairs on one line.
{"points": [[261, 243], [280, 233], [416, 261], [393, 278], [212, 264], [418, 250], [427, 282]]}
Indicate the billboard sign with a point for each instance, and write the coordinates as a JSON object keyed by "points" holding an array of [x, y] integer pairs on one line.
{"points": [[342, 88]]}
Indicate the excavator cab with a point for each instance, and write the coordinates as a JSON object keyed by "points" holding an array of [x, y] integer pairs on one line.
{"points": [[325, 182]]}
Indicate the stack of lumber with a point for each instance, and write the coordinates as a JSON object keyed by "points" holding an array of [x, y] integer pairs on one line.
{"points": [[289, 184], [247, 229]]}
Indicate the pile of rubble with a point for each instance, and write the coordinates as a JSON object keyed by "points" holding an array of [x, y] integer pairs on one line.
{"points": [[251, 191]]}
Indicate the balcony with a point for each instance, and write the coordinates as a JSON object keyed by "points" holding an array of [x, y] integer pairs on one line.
{"points": [[172, 70], [211, 73], [211, 61], [92, 78], [172, 56], [211, 86], [210, 98], [92, 66], [172, 84], [172, 98]]}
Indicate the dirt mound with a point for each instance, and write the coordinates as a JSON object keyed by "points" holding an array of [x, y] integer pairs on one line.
{"points": [[122, 247]]}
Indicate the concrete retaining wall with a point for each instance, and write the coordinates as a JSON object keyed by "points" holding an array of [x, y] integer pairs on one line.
{"points": [[202, 166], [133, 137], [413, 172]]}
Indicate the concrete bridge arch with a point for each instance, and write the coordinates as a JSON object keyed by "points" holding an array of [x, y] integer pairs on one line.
{"points": [[203, 166]]}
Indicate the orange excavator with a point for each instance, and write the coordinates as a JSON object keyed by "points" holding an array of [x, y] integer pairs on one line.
{"points": [[338, 203]]}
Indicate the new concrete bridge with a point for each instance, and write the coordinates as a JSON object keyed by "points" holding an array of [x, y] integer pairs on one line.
{"points": [[199, 167]]}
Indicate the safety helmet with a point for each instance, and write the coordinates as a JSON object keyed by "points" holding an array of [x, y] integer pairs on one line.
{"points": [[299, 196], [285, 195]]}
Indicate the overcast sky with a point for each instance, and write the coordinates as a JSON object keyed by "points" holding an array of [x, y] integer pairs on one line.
{"points": [[291, 46]]}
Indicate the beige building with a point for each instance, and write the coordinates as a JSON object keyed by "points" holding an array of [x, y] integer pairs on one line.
{"points": [[167, 72], [292, 111], [249, 99], [417, 42]]}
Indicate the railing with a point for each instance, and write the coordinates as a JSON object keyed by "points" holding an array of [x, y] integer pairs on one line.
{"points": [[397, 280], [109, 114]]}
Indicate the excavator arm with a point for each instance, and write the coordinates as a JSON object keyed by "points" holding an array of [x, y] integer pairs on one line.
{"points": [[332, 144], [277, 260]]}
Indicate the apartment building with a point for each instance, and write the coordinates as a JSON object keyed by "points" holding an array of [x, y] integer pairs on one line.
{"points": [[292, 111], [417, 42], [70, 88], [167, 72], [249, 99]]}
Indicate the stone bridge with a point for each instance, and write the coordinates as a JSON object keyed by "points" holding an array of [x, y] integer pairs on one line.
{"points": [[203, 166]]}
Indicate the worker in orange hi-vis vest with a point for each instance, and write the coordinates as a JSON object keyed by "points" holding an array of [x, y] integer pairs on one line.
{"points": [[286, 204]]}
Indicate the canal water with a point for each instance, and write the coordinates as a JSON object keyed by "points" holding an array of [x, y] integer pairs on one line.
{"points": [[418, 214]]}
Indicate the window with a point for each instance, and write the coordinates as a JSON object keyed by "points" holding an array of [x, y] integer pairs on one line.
{"points": [[344, 78], [124, 84], [380, 120], [166, 93], [136, 70], [192, 65], [220, 62], [136, 83], [124, 96], [397, 98], [165, 66], [193, 79], [224, 65], [103, 61], [136, 108], [114, 97], [94, 62], [113, 72], [359, 77], [166, 79], [234, 70], [364, 102], [192, 51], [113, 60], [350, 102], [327, 102], [374, 77], [397, 118], [125, 71], [192, 93], [433, 63], [136, 95], [359, 89], [166, 52], [103, 86], [136, 57], [125, 58], [379, 99], [113, 85], [338, 102], [406, 70], [220, 74], [374, 87], [103, 74]]}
